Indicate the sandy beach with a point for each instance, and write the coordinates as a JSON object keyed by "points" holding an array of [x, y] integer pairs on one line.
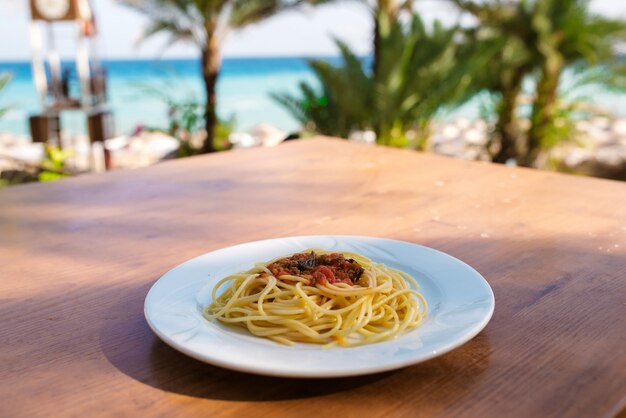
{"points": [[599, 147]]}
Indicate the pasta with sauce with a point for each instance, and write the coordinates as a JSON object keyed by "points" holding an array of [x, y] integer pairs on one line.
{"points": [[320, 297]]}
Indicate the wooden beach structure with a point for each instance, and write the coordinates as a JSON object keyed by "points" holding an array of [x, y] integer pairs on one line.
{"points": [[53, 80]]}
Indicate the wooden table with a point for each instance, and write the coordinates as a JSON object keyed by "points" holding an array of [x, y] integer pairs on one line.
{"points": [[78, 256]]}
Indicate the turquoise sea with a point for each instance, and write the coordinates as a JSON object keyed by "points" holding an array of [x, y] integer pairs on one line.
{"points": [[243, 92]]}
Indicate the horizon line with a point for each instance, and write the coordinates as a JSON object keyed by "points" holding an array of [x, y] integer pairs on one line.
{"points": [[186, 57]]}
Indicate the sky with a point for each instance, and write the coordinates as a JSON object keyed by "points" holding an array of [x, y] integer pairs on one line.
{"points": [[309, 32]]}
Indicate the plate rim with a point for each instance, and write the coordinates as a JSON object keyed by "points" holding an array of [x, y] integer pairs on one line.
{"points": [[472, 331]]}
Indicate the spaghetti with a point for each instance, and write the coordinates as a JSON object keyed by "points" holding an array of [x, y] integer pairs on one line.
{"points": [[320, 297]]}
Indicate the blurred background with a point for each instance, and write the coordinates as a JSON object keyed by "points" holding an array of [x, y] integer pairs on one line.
{"points": [[110, 84]]}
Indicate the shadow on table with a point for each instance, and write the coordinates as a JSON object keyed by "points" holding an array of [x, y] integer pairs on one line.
{"points": [[193, 378], [130, 346], [148, 360]]}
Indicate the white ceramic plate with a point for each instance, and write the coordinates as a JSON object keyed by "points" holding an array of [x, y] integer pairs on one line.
{"points": [[460, 304]]}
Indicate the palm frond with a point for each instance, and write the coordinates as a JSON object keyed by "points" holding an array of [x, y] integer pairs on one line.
{"points": [[294, 105], [246, 12], [417, 73], [4, 81], [612, 76], [182, 19]]}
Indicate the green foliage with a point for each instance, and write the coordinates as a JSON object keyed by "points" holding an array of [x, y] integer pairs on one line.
{"points": [[567, 34], [186, 119], [542, 38], [51, 168], [610, 75], [191, 20], [419, 72], [4, 81], [342, 104], [501, 28], [53, 165]]}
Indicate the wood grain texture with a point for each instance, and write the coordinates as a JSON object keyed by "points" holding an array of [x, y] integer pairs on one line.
{"points": [[77, 258]]}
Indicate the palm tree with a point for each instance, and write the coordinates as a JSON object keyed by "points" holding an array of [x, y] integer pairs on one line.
{"points": [[542, 38], [418, 71], [385, 11], [206, 23], [502, 28], [342, 101], [567, 33]]}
